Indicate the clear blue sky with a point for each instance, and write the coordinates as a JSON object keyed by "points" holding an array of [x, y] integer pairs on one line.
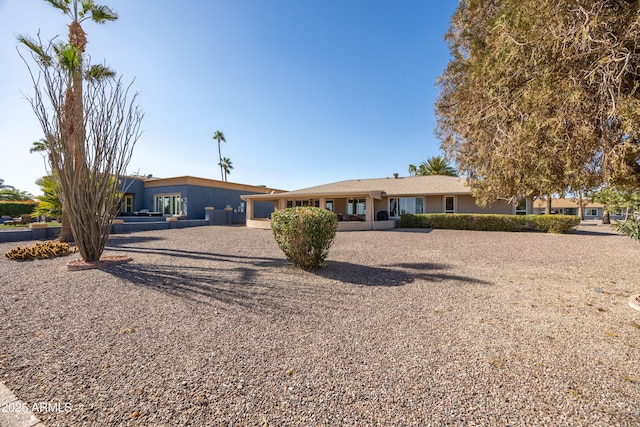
{"points": [[306, 91]]}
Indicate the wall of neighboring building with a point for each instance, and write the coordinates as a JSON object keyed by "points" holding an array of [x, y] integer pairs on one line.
{"points": [[182, 190], [134, 187], [196, 198], [593, 213], [262, 209]]}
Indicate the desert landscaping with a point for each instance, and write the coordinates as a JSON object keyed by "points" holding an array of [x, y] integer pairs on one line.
{"points": [[213, 326]]}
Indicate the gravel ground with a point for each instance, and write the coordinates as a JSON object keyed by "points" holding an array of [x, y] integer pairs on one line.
{"points": [[212, 326]]}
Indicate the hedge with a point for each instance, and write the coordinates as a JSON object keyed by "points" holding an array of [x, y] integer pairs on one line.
{"points": [[492, 222], [15, 209]]}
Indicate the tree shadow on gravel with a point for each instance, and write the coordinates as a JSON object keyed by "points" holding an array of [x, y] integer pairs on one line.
{"points": [[235, 286], [408, 230], [197, 255], [586, 232], [391, 275], [119, 240]]}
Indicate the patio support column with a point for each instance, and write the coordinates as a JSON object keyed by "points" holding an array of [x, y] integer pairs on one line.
{"points": [[323, 202], [249, 211], [368, 214]]}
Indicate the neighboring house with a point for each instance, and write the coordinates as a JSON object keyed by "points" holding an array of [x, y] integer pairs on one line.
{"points": [[592, 210], [187, 197], [365, 204]]}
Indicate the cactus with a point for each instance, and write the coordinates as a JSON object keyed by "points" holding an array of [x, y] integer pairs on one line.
{"points": [[41, 251]]}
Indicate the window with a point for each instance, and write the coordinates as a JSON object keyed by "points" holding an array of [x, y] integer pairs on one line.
{"points": [[405, 205], [168, 204], [449, 204], [297, 203], [356, 207], [329, 205], [127, 203], [591, 212], [521, 207]]}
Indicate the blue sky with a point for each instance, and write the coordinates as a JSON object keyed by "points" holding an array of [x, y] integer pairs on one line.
{"points": [[306, 91]]}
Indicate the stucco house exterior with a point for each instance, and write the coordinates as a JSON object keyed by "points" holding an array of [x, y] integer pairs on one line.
{"points": [[376, 204], [190, 197]]}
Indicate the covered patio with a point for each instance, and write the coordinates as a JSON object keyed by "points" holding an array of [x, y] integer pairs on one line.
{"points": [[355, 210]]}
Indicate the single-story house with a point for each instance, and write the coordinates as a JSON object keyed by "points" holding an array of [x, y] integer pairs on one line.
{"points": [[562, 206], [366, 204], [187, 197]]}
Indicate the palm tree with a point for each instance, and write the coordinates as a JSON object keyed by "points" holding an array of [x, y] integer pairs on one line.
{"points": [[15, 195], [219, 136], [412, 170], [49, 203], [68, 56], [226, 166], [436, 165]]}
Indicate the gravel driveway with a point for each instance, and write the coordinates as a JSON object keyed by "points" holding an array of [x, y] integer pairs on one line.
{"points": [[212, 326]]}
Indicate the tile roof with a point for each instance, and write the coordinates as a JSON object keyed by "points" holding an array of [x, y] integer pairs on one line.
{"points": [[433, 184]]}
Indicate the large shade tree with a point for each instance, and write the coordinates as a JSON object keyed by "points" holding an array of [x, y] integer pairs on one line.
{"points": [[540, 95], [90, 122]]}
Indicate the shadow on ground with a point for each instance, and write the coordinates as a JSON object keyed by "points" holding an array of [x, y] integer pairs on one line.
{"points": [[232, 285], [198, 255], [391, 275], [119, 240], [261, 283], [595, 232]]}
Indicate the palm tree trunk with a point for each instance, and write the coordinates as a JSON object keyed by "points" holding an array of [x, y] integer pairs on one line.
{"points": [[220, 159]]}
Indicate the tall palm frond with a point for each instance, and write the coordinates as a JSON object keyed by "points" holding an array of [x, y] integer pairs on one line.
{"points": [[226, 166], [436, 165], [219, 136]]}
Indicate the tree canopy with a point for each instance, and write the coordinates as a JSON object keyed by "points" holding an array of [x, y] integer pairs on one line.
{"points": [[542, 95]]}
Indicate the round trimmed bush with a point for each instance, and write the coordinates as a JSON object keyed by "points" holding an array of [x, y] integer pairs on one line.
{"points": [[304, 234]]}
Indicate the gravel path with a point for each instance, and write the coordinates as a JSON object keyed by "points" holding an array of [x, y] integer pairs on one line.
{"points": [[212, 326]]}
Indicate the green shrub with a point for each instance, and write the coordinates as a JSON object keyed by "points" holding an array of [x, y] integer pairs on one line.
{"points": [[491, 222], [560, 224], [630, 227], [304, 234], [15, 209], [478, 222]]}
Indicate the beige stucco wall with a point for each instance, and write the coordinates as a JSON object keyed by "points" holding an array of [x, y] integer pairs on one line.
{"points": [[467, 204], [340, 205], [380, 205], [433, 204]]}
